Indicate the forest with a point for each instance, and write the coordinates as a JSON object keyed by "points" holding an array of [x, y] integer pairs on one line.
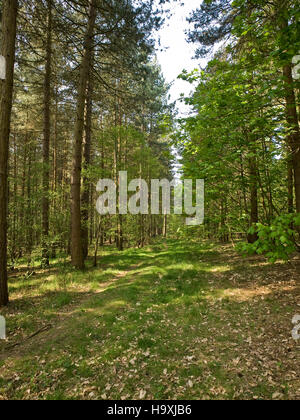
{"points": [[142, 305]]}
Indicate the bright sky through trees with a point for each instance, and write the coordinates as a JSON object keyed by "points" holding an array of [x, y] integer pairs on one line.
{"points": [[176, 53]]}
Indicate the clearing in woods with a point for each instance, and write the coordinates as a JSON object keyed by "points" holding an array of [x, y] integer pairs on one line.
{"points": [[171, 321]]}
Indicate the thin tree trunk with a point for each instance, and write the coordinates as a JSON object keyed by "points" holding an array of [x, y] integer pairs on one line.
{"points": [[29, 216], [97, 243], [7, 50], [253, 197], [46, 138], [224, 211], [165, 226], [85, 199], [290, 187], [15, 211], [55, 137]]}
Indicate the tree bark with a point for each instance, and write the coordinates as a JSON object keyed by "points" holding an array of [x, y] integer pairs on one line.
{"points": [[7, 49], [76, 240], [253, 197], [165, 226], [290, 187], [85, 199], [293, 139], [46, 137]]}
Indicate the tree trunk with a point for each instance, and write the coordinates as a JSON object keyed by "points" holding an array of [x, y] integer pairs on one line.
{"points": [[290, 187], [46, 138], [7, 49], [85, 199], [294, 137], [76, 240], [15, 210], [253, 197], [224, 210], [165, 226]]}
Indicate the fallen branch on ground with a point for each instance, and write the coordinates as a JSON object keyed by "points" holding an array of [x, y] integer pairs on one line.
{"points": [[41, 330]]}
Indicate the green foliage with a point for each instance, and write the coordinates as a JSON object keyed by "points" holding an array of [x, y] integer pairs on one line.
{"points": [[277, 241], [239, 137]]}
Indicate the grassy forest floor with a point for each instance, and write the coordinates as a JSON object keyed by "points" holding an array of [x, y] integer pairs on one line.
{"points": [[171, 321]]}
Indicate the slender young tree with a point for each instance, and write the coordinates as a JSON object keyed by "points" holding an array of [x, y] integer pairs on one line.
{"points": [[7, 50], [46, 137], [253, 170], [85, 199]]}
